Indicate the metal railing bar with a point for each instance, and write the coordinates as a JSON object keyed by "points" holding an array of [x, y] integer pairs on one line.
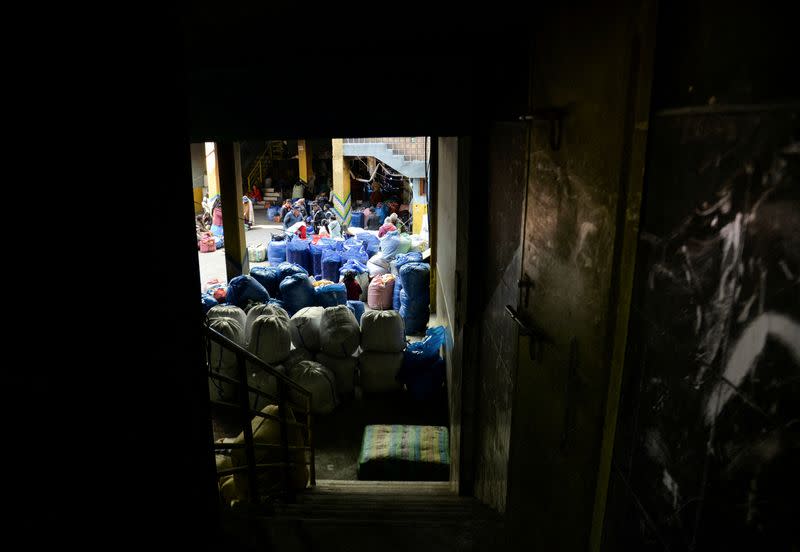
{"points": [[233, 406], [219, 338], [256, 390]]}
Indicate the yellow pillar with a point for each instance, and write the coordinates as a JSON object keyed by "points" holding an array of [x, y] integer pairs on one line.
{"points": [[212, 170], [236, 262], [198, 156], [341, 182], [304, 160]]}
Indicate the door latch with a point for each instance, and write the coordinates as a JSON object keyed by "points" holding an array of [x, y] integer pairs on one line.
{"points": [[538, 336]]}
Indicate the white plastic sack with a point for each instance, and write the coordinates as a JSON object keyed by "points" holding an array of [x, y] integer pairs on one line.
{"points": [[270, 339], [377, 265], [223, 360], [378, 371], [344, 369], [259, 310], [320, 381], [257, 253], [339, 334], [382, 331], [228, 311], [305, 328]]}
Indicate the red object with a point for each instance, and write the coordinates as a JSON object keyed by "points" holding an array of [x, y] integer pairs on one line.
{"points": [[302, 232], [220, 294], [353, 289], [386, 228], [208, 245]]}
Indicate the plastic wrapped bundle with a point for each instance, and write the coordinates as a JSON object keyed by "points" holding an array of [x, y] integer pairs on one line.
{"points": [[320, 283], [377, 266], [357, 253], [244, 288], [395, 266], [269, 338], [344, 370], [316, 251], [357, 308], [379, 371], [228, 311], [208, 302], [331, 263], [415, 296], [390, 245], [379, 295], [297, 252], [331, 295], [304, 327], [287, 269], [222, 360], [267, 276], [339, 333], [404, 244], [276, 251], [357, 219], [320, 381], [257, 253], [297, 293], [259, 310], [382, 332]]}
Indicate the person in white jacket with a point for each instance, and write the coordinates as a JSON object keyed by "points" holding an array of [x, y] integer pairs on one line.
{"points": [[334, 228]]}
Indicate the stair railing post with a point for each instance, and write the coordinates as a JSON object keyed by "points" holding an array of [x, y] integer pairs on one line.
{"points": [[250, 451], [285, 438], [313, 467]]}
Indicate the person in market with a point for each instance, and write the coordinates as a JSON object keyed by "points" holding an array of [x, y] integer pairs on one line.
{"points": [[292, 217], [334, 227], [317, 216]]}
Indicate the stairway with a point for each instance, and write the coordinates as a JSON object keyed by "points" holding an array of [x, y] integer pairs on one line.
{"points": [[400, 159], [366, 516]]}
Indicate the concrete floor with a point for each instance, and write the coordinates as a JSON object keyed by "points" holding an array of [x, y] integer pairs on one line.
{"points": [[212, 265]]}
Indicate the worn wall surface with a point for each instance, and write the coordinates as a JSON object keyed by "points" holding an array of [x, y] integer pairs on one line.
{"points": [[446, 199], [708, 442], [502, 247], [584, 62]]}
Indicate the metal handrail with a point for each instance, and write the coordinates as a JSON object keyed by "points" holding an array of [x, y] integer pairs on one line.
{"points": [[243, 357]]}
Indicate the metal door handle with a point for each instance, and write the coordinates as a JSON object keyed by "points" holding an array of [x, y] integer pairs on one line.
{"points": [[538, 336]]}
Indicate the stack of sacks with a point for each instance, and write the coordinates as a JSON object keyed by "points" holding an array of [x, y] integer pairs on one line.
{"points": [[331, 295], [276, 251], [244, 288], [222, 360], [382, 344], [267, 276], [316, 250], [372, 241], [362, 275], [320, 381], [270, 340], [228, 311], [339, 338], [377, 265], [297, 292], [415, 297], [297, 252], [379, 294], [356, 252]]}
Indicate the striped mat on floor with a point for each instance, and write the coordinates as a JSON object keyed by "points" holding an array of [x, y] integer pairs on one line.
{"points": [[404, 453]]}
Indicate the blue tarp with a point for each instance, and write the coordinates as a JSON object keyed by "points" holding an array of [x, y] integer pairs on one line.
{"points": [[267, 276], [297, 292], [331, 295]]}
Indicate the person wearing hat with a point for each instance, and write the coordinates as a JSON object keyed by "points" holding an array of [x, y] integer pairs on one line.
{"points": [[293, 217]]}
